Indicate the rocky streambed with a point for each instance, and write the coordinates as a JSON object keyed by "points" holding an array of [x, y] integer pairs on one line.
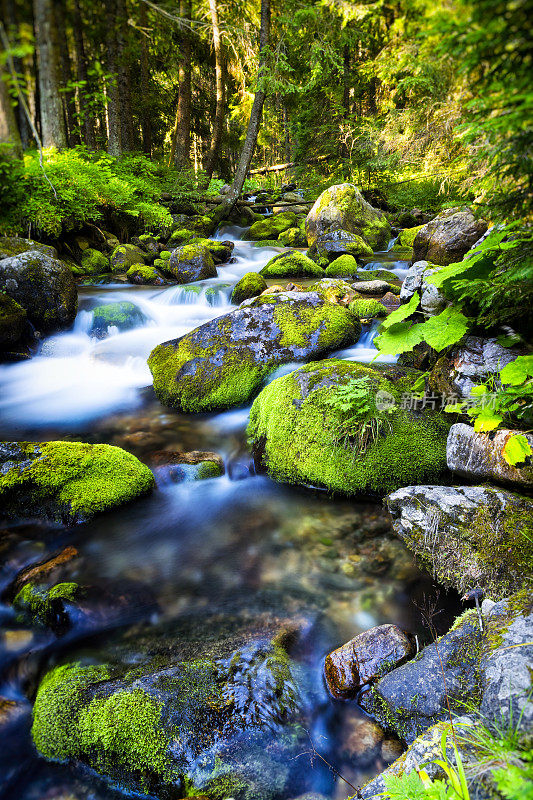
{"points": [[203, 592]]}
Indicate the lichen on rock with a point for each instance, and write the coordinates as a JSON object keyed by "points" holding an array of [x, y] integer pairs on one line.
{"points": [[342, 207]]}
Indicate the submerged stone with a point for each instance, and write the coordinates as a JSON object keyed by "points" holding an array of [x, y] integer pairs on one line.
{"points": [[218, 719], [224, 362], [340, 425], [68, 481]]}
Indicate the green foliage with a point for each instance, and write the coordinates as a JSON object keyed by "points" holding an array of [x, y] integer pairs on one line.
{"points": [[75, 186]]}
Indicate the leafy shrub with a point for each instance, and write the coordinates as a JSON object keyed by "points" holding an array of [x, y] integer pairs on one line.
{"points": [[75, 186]]}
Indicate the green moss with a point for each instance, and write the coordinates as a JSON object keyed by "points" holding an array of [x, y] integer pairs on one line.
{"points": [[297, 325], [164, 255], [209, 469], [126, 255], [250, 285], [297, 435], [181, 236], [408, 235], [342, 267], [293, 237], [77, 479], [291, 265], [12, 320], [271, 227], [268, 243], [367, 309], [143, 273], [93, 262], [123, 315], [35, 603]]}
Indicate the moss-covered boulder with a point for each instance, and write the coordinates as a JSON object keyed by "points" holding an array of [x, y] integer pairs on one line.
{"points": [[13, 321], [220, 250], [342, 267], [335, 243], [224, 362], [218, 717], [39, 605], [14, 246], [334, 290], [271, 227], [122, 315], [68, 481], [191, 262], [367, 308], [293, 237], [45, 287], [250, 285], [341, 425], [125, 256], [146, 274], [376, 274], [181, 236], [468, 536], [291, 264], [343, 207], [268, 243], [407, 236], [148, 244], [93, 262]]}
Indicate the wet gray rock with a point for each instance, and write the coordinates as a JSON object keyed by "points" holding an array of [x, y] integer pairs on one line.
{"points": [[13, 322], [468, 536], [372, 287], [14, 246], [367, 656], [415, 696], [479, 456], [432, 301], [45, 287], [469, 363], [224, 362], [334, 243], [448, 237]]}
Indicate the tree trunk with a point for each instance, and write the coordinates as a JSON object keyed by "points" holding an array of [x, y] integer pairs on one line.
{"points": [[128, 136], [253, 124], [11, 18], [9, 132], [183, 114], [65, 71], [218, 126], [51, 107], [114, 138], [146, 120], [88, 121]]}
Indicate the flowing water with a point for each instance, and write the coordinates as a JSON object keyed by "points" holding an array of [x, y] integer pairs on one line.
{"points": [[209, 544]]}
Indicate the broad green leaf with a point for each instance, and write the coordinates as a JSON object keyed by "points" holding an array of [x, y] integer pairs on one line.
{"points": [[517, 449], [486, 421], [400, 338], [517, 371], [401, 313], [445, 329]]}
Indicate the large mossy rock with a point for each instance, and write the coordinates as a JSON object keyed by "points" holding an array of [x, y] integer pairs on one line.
{"points": [[145, 275], [224, 362], [303, 430], [291, 264], [191, 262], [293, 237], [125, 256], [271, 227], [93, 262], [250, 285], [45, 287], [220, 250], [212, 717], [468, 536], [13, 321], [408, 236], [343, 207], [122, 315], [448, 237], [14, 246], [68, 481]]}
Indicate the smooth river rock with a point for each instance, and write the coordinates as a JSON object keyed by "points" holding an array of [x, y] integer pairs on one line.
{"points": [[367, 656], [479, 456], [448, 237]]}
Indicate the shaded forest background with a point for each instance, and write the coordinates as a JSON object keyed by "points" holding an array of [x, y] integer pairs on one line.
{"points": [[421, 103]]}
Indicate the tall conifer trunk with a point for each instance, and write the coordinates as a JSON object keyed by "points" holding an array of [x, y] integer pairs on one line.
{"points": [[51, 108]]}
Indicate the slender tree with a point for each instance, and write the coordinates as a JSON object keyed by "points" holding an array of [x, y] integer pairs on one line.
{"points": [[182, 127], [9, 132], [65, 75], [88, 121], [218, 126], [146, 119], [250, 142], [51, 108]]}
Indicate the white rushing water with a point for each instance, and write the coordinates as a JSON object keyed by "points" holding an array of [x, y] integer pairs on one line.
{"points": [[76, 377]]}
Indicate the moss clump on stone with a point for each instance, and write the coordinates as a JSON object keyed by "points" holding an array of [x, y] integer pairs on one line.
{"points": [[191, 262], [181, 236], [342, 267], [291, 265], [293, 237], [122, 315], [343, 207], [125, 256], [367, 309], [146, 274], [250, 285], [300, 437], [268, 243], [35, 603], [12, 320], [70, 481], [271, 227], [93, 262], [408, 235]]}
